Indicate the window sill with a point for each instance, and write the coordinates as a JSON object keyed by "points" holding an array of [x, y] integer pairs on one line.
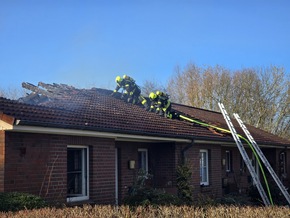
{"points": [[79, 203]]}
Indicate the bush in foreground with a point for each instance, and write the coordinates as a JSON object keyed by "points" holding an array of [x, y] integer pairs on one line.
{"points": [[152, 211], [141, 194], [14, 201]]}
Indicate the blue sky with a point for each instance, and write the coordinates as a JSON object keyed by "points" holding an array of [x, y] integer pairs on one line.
{"points": [[88, 43]]}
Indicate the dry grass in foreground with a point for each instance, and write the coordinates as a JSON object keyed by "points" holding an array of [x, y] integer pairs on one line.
{"points": [[150, 212]]}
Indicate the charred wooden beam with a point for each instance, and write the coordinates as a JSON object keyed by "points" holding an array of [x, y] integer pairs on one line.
{"points": [[36, 89]]}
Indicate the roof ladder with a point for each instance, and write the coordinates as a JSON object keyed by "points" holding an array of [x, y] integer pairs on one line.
{"points": [[263, 158], [245, 156]]}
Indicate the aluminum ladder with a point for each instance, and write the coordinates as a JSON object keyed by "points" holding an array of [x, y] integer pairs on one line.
{"points": [[263, 158], [245, 156]]}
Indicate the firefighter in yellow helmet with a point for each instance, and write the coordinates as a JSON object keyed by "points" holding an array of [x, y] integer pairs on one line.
{"points": [[160, 103], [131, 91]]}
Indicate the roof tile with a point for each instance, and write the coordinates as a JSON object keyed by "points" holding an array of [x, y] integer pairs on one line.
{"points": [[94, 109]]}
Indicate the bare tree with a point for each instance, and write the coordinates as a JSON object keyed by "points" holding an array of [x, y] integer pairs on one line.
{"points": [[151, 86], [12, 93], [259, 95], [176, 87]]}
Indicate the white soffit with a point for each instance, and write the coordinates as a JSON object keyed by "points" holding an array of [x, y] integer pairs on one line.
{"points": [[75, 132], [5, 126]]}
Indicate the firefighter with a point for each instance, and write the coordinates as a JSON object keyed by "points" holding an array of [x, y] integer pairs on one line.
{"points": [[160, 104], [131, 91]]}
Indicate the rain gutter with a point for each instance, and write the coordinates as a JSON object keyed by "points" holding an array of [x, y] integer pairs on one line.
{"points": [[186, 148], [92, 133]]}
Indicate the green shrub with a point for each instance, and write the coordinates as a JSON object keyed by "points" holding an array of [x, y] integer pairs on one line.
{"points": [[151, 196], [142, 194], [276, 194], [184, 188], [14, 201]]}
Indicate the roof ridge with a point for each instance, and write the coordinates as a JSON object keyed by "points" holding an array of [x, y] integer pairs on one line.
{"points": [[198, 108]]}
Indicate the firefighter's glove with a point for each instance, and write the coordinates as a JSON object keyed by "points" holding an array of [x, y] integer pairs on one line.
{"points": [[175, 115], [169, 115]]}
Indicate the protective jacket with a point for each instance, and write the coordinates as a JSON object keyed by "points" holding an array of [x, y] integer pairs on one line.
{"points": [[160, 103], [132, 92]]}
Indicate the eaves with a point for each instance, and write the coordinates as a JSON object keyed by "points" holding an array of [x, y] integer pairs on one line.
{"points": [[118, 135]]}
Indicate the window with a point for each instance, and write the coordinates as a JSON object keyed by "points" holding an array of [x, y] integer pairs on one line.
{"points": [[77, 173], [282, 163], [203, 162], [228, 161], [143, 159]]}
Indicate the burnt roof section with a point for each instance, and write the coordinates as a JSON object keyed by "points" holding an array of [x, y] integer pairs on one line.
{"points": [[63, 106]]}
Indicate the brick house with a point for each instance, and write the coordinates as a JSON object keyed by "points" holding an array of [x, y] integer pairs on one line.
{"points": [[74, 145]]}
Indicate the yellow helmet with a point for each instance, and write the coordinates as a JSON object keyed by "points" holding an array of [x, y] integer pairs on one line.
{"points": [[118, 79], [152, 96]]}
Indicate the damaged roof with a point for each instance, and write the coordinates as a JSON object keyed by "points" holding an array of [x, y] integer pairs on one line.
{"points": [[63, 106]]}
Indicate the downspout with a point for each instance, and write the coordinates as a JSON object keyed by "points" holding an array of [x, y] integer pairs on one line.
{"points": [[186, 148]]}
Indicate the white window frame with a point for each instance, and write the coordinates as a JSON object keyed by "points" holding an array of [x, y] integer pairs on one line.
{"points": [[204, 165], [145, 150], [228, 161], [85, 174]]}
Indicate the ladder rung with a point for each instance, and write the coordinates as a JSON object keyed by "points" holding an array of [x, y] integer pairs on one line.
{"points": [[245, 155], [263, 158]]}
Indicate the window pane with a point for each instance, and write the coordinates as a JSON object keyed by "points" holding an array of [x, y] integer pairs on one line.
{"points": [[203, 161], [74, 157], [142, 160], [228, 161], [74, 183], [76, 172], [282, 163]]}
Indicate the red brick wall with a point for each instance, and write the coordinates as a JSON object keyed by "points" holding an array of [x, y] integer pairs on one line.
{"points": [[214, 189], [127, 151], [279, 165], [237, 179], [161, 164], [37, 164], [29, 165], [102, 171], [2, 159], [287, 179], [163, 160]]}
